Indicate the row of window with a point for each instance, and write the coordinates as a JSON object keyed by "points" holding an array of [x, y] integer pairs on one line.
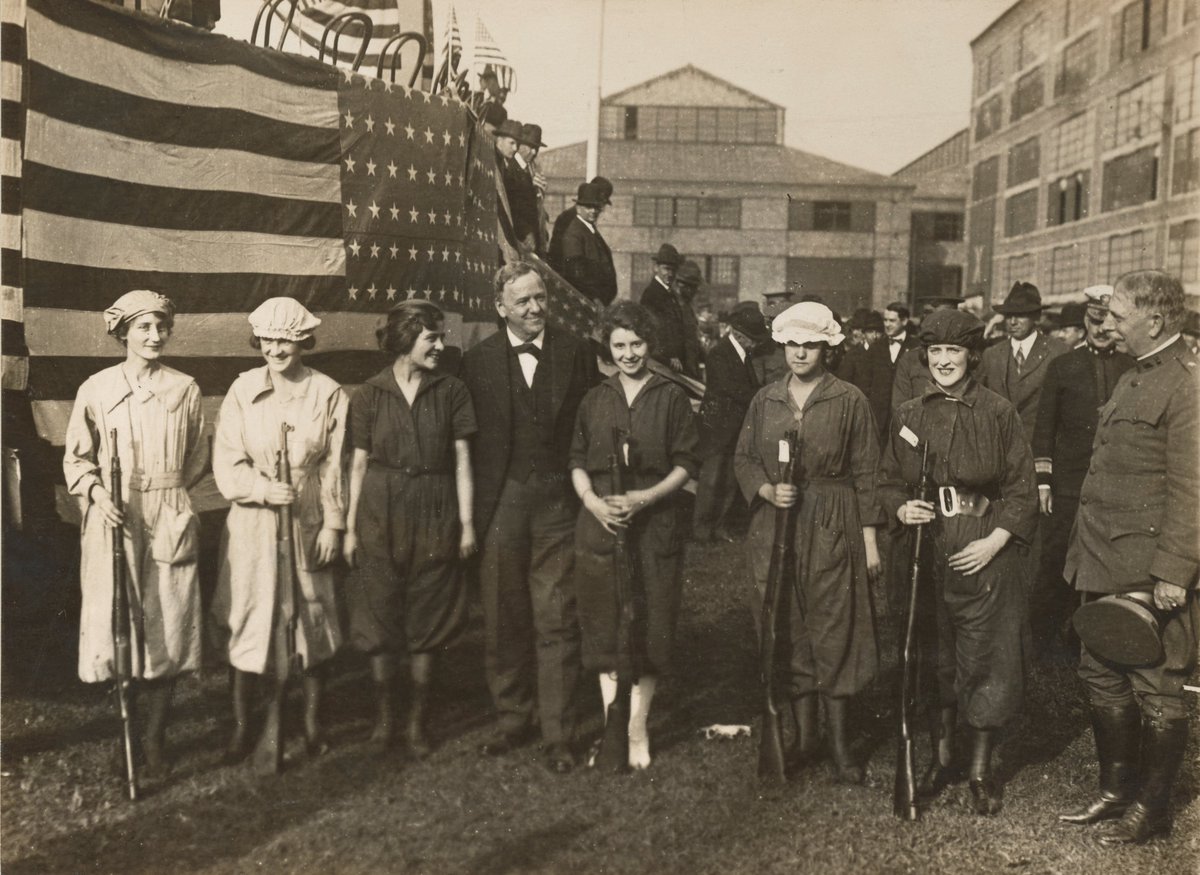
{"points": [[722, 273], [688, 212], [689, 124]]}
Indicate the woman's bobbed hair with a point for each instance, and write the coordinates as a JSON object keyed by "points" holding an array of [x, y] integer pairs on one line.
{"points": [[632, 317], [404, 325]]}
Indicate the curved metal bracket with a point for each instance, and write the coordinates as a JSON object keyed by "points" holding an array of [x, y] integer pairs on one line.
{"points": [[338, 25], [394, 46], [271, 9]]}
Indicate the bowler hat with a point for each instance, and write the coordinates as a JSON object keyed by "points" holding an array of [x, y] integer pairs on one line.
{"points": [[509, 128], [873, 321], [606, 188], [1071, 315], [1023, 299], [749, 320], [531, 135], [668, 255], [589, 195], [689, 273]]}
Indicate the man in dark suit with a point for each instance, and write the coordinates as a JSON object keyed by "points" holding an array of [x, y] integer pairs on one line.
{"points": [[518, 183], [1077, 384], [564, 219], [526, 381], [731, 386], [1135, 534], [687, 284], [586, 259], [873, 368], [533, 187], [661, 299], [1016, 370]]}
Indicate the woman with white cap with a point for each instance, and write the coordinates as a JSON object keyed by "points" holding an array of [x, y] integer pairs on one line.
{"points": [[828, 615], [155, 411], [252, 612], [984, 518]]}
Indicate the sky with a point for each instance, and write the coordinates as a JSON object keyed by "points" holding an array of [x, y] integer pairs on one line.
{"points": [[872, 83]]}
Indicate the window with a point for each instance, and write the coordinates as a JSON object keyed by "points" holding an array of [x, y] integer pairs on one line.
{"points": [[1126, 252], [1078, 65], [1131, 179], [647, 123], [1067, 269], [668, 123], [1137, 113], [1032, 42], [831, 216], [1074, 143], [842, 283], [1067, 198], [612, 123], [631, 122], [1022, 268], [1139, 26], [687, 212], [1185, 174], [1183, 251], [721, 270], [988, 117], [706, 125], [990, 71], [767, 124], [726, 125], [1020, 213], [947, 227], [1187, 90], [721, 273], [687, 124], [1028, 95], [644, 210], [1023, 161], [986, 178]]}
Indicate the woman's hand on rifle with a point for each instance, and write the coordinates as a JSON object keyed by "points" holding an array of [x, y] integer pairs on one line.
{"points": [[329, 542], [104, 504], [631, 502], [279, 494], [782, 495], [607, 511], [916, 512]]}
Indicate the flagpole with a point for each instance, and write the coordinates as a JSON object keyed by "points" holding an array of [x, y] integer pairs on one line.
{"points": [[593, 146]]}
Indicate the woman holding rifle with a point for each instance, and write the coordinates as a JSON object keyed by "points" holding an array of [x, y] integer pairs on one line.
{"points": [[655, 421], [411, 496], [829, 619], [980, 525], [254, 596], [155, 412]]}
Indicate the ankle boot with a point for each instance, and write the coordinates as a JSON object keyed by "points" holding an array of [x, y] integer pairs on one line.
{"points": [[848, 771], [805, 747], [414, 732], [240, 684], [384, 731], [942, 771], [985, 792], [1163, 742], [1117, 731]]}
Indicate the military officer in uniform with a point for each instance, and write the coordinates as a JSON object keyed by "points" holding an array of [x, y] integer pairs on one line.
{"points": [[1136, 532]]}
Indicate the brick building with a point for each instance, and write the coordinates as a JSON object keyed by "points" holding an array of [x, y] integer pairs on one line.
{"points": [[700, 163], [1085, 145]]}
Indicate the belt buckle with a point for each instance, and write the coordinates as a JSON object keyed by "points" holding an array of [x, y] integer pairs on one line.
{"points": [[948, 500]]}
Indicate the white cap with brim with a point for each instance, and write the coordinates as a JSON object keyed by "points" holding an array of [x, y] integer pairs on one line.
{"points": [[1098, 296], [807, 322], [283, 319]]}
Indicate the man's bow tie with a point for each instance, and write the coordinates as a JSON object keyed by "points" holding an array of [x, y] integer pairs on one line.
{"points": [[529, 348]]}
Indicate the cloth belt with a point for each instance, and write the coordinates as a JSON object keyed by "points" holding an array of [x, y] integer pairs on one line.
{"points": [[142, 481], [806, 480], [410, 470], [956, 501]]}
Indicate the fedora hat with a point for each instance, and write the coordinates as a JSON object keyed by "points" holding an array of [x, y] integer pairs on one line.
{"points": [[1125, 628], [689, 273], [749, 320], [589, 195], [531, 135], [1071, 315], [509, 128], [667, 254], [1023, 299]]}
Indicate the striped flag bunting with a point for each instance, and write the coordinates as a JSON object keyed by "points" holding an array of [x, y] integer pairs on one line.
{"points": [[486, 53], [164, 157], [12, 122], [389, 18]]}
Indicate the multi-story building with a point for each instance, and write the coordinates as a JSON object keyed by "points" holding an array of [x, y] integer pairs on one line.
{"points": [[1085, 145], [700, 163], [937, 254]]}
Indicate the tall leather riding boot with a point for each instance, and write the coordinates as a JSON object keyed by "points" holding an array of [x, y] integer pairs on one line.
{"points": [[421, 670], [941, 772], [1117, 733], [848, 771], [156, 695], [805, 747], [241, 684], [383, 671], [985, 793], [267, 758], [1163, 742]]}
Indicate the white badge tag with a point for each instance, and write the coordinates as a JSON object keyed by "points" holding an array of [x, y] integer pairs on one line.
{"points": [[907, 435], [785, 452]]}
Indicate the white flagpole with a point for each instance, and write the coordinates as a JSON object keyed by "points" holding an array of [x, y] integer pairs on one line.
{"points": [[593, 144]]}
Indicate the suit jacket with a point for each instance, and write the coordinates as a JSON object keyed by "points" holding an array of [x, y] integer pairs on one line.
{"points": [[910, 378], [554, 256], [727, 394], [1141, 497], [997, 374], [522, 201], [486, 373], [668, 310], [873, 372], [588, 264]]}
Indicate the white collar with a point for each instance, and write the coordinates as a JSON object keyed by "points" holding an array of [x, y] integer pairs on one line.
{"points": [[513, 340], [520, 161], [899, 338], [1025, 346], [586, 223], [658, 280], [1160, 347], [737, 346]]}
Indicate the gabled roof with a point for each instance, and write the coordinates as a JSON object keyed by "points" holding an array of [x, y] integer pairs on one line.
{"points": [[687, 86]]}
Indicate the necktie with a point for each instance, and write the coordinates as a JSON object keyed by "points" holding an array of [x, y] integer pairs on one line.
{"points": [[529, 348], [1020, 357]]}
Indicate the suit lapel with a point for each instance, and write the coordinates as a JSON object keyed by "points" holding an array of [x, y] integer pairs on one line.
{"points": [[560, 355], [1037, 354], [496, 375]]}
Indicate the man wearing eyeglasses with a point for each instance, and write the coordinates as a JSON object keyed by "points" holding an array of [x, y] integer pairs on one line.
{"points": [[1077, 384]]}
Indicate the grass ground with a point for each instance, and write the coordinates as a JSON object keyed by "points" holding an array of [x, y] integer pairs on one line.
{"points": [[698, 809]]}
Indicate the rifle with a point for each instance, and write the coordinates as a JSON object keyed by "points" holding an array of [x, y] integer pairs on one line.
{"points": [[904, 796], [122, 655], [614, 748], [770, 746]]}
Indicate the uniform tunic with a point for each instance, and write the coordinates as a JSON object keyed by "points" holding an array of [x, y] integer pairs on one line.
{"points": [[408, 591], [663, 435], [976, 444], [830, 632], [158, 442], [248, 436]]}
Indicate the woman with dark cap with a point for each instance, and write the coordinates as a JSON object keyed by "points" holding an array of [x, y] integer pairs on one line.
{"points": [[830, 622], [155, 411], [409, 513], [982, 520], [656, 418]]}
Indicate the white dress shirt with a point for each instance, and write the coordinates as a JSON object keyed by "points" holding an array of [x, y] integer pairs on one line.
{"points": [[527, 361]]}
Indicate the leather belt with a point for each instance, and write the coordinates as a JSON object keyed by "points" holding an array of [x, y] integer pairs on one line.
{"points": [[955, 501]]}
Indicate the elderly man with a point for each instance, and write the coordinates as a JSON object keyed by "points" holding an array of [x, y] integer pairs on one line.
{"points": [[1136, 532], [1076, 386], [567, 216], [586, 259], [526, 381]]}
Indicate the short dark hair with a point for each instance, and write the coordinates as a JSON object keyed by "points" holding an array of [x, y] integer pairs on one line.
{"points": [[307, 343], [511, 272], [121, 332], [899, 309], [1156, 290], [974, 356], [632, 317], [404, 325]]}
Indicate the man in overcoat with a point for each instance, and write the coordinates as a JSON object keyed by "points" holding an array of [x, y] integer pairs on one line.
{"points": [[873, 368], [661, 299], [587, 261], [526, 381], [1137, 532], [564, 219], [731, 385]]}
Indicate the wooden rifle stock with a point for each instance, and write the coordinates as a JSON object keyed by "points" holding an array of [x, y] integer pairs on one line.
{"points": [[614, 748], [771, 765], [904, 797], [122, 654], [285, 556]]}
